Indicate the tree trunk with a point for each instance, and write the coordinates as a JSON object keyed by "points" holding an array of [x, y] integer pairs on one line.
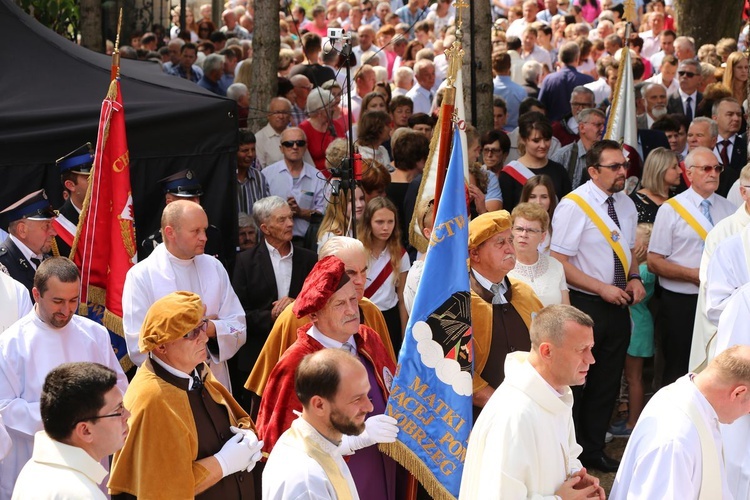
{"points": [[91, 25], [265, 63], [477, 42], [707, 22]]}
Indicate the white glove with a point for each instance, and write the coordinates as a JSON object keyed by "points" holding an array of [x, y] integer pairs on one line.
{"points": [[252, 441], [378, 429], [237, 455]]}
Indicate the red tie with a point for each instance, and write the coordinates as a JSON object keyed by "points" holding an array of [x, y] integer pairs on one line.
{"points": [[724, 153]]}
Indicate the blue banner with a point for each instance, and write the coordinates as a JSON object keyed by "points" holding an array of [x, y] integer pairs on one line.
{"points": [[431, 395]]}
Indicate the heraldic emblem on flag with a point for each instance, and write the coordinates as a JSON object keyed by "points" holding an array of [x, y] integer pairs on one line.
{"points": [[431, 392]]}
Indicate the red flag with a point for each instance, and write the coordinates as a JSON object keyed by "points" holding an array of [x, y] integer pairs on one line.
{"points": [[104, 249]]}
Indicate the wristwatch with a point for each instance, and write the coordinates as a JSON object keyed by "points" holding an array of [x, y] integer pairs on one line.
{"points": [[635, 277]]}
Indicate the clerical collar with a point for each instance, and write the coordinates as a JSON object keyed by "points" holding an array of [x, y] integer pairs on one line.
{"points": [[328, 342], [174, 371], [180, 262]]}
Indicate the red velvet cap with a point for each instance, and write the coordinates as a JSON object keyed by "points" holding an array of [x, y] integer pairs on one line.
{"points": [[327, 276]]}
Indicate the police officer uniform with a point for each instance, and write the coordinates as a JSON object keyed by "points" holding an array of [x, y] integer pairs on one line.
{"points": [[20, 261], [77, 162], [184, 184]]}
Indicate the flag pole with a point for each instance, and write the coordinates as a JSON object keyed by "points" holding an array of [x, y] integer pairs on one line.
{"points": [[115, 73]]}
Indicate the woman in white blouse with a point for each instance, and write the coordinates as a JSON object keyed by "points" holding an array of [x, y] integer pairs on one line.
{"points": [[543, 273]]}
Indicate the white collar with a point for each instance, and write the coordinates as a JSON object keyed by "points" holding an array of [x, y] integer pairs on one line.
{"points": [[26, 251], [273, 251], [487, 284], [328, 342], [174, 371]]}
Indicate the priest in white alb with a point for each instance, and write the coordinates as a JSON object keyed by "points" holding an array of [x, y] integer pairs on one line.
{"points": [[14, 300], [523, 444], [676, 450], [728, 270], [179, 264], [51, 334]]}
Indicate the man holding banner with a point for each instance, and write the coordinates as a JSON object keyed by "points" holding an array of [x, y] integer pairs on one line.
{"points": [[674, 255], [593, 237], [514, 449]]}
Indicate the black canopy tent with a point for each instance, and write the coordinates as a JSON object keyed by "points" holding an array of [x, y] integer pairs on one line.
{"points": [[51, 92]]}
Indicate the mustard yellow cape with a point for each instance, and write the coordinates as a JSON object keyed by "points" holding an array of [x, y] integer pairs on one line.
{"points": [[284, 334], [523, 300], [158, 460]]}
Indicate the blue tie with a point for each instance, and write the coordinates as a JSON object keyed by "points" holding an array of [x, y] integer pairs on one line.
{"points": [[705, 205]]}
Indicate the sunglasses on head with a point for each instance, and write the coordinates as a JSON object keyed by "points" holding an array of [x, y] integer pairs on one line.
{"points": [[299, 143]]}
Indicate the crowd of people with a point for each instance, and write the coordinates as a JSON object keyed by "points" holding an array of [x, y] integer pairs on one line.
{"points": [[265, 371]]}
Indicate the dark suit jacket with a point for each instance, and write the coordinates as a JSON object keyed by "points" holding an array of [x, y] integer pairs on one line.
{"points": [[18, 267], [674, 104], [255, 284], [732, 171], [70, 213]]}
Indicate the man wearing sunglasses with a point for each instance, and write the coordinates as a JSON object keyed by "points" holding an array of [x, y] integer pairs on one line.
{"points": [[84, 423], [674, 254], [49, 335], [688, 98], [188, 435], [593, 236]]}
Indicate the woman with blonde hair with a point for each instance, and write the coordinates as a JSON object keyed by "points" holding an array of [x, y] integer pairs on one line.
{"points": [[387, 266], [660, 172], [735, 75], [337, 220], [541, 272]]}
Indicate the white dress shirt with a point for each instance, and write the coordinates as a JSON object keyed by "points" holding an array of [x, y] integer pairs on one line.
{"points": [[421, 98], [679, 243], [308, 189], [576, 236], [282, 269]]}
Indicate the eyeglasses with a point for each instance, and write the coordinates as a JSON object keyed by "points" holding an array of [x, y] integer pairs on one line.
{"points": [[300, 143], [615, 166], [530, 230], [491, 151], [119, 412], [688, 74], [195, 332], [709, 168]]}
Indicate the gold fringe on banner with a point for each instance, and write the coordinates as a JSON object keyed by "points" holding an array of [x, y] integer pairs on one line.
{"points": [[416, 238], [97, 297], [399, 452]]}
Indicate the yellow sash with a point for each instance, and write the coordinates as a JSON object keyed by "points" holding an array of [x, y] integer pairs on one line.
{"points": [[298, 436], [688, 217], [608, 234]]}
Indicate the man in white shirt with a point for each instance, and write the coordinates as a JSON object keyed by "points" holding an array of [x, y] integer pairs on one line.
{"points": [[48, 336], [180, 264], [704, 330], [366, 35], [268, 139], [666, 43], [307, 460], [84, 423], [421, 93], [677, 241], [593, 236], [515, 446], [531, 51], [530, 10], [666, 75], [651, 41], [675, 450]]}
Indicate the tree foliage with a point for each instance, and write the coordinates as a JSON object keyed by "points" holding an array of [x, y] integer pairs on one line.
{"points": [[61, 16]]}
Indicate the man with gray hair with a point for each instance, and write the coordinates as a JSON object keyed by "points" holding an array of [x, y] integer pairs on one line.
{"points": [[687, 100], [566, 130], [403, 78], [703, 132], [238, 93], [268, 139], [421, 93], [591, 122], [557, 87], [213, 70], [655, 97], [731, 147], [523, 445], [267, 279], [173, 49]]}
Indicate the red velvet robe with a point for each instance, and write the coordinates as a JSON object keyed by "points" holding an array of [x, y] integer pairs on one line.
{"points": [[279, 399]]}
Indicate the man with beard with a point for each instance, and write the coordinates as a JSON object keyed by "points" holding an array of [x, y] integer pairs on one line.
{"points": [[181, 264], [332, 386], [674, 255], [330, 298], [51, 334], [501, 307], [655, 96], [593, 236], [31, 235]]}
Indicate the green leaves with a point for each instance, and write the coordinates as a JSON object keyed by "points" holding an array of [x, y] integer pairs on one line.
{"points": [[61, 16]]}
